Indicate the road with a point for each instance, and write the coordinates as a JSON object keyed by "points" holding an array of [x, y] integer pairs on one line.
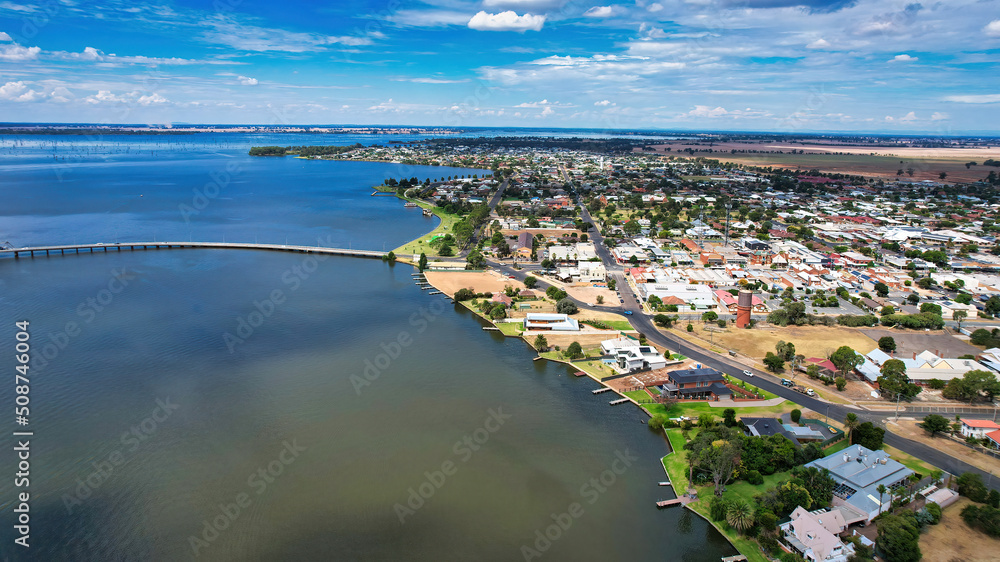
{"points": [[494, 201]]}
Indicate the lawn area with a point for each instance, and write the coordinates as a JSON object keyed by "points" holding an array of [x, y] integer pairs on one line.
{"points": [[511, 328], [676, 462], [622, 325], [422, 244], [638, 395], [747, 547], [837, 447], [749, 385], [695, 409]]}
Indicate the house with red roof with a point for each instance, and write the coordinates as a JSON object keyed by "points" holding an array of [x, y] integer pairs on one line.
{"points": [[978, 428], [993, 439]]}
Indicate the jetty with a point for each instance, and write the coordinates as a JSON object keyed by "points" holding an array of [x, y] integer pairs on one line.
{"points": [[619, 401], [435, 293], [64, 249], [737, 558], [664, 483], [490, 329], [580, 374], [600, 390]]}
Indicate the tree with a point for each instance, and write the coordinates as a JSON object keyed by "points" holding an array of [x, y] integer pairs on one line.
{"points": [[555, 293], [530, 282], [899, 537], [574, 350], [851, 422], [841, 383], [894, 381], [422, 262], [935, 423], [664, 320], [474, 260], [390, 257], [498, 313], [446, 250], [958, 316], [881, 289], [464, 295], [740, 514], [541, 344], [566, 306], [868, 436], [729, 417], [971, 486], [785, 350], [846, 360], [887, 344], [721, 459], [795, 415], [774, 363], [632, 228], [710, 316]]}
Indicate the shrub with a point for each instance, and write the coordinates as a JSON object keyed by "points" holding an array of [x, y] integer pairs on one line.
{"points": [[971, 486], [753, 477], [717, 509], [935, 511], [841, 383], [936, 384], [796, 415], [983, 518], [690, 328]]}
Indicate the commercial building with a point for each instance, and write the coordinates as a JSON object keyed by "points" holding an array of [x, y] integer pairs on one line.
{"points": [[858, 472]]}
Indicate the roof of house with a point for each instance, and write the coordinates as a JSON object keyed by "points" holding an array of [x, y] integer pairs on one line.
{"points": [[981, 424], [858, 472], [994, 436], [716, 388], [813, 536], [703, 374]]}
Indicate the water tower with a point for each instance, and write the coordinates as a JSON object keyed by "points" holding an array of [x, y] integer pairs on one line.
{"points": [[744, 306]]}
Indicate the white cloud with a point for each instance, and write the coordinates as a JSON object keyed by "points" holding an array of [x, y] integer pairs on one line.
{"points": [[903, 58], [993, 28], [911, 116], [247, 81], [975, 98], [939, 116], [4, 37], [599, 12], [153, 99], [889, 118], [18, 91], [706, 111], [547, 111], [529, 5], [226, 31], [90, 54], [16, 53], [654, 7], [506, 21], [604, 103], [429, 18], [61, 95], [819, 44]]}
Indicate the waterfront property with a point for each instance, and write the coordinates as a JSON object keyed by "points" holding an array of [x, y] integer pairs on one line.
{"points": [[550, 322], [858, 472], [814, 535], [629, 356], [698, 383], [766, 427]]}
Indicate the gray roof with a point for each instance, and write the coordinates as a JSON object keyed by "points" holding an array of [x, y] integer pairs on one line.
{"points": [[859, 471], [695, 375], [766, 427]]}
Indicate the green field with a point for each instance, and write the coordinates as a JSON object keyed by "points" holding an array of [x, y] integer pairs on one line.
{"points": [[511, 328], [422, 244], [695, 409]]}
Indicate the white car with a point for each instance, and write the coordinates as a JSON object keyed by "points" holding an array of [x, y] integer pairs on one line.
{"points": [[748, 373]]}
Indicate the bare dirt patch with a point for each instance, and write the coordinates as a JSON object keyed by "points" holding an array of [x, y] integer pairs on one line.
{"points": [[449, 282], [940, 343], [811, 341], [952, 539]]}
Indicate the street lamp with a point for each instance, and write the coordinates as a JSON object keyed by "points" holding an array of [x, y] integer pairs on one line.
{"points": [[898, 394]]}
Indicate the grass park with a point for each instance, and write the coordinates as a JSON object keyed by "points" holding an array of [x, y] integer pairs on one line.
{"points": [[422, 244]]}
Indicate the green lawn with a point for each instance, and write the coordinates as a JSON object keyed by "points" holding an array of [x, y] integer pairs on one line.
{"points": [[621, 325], [511, 328], [747, 547], [837, 447], [422, 244], [695, 409], [676, 462], [638, 395]]}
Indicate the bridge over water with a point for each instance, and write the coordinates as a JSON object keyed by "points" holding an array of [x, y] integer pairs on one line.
{"points": [[132, 246]]}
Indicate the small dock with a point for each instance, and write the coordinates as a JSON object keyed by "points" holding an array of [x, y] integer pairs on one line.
{"points": [[377, 193], [668, 503], [619, 401], [664, 483], [490, 329], [580, 374], [600, 390], [435, 293], [737, 558]]}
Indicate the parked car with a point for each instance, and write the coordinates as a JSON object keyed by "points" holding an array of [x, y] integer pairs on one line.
{"points": [[747, 373], [810, 392], [786, 382], [628, 313]]}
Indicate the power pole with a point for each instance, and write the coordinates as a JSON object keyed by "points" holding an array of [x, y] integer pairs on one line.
{"points": [[729, 206]]}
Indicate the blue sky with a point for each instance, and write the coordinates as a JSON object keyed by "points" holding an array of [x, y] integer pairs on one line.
{"points": [[781, 65]]}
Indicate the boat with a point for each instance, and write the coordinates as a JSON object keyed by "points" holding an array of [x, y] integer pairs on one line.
{"points": [[410, 204]]}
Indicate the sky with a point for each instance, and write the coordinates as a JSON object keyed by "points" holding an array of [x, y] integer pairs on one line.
{"points": [[753, 65]]}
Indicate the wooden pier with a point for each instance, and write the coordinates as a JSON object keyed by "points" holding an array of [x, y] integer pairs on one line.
{"points": [[580, 374], [619, 401], [600, 390], [490, 329]]}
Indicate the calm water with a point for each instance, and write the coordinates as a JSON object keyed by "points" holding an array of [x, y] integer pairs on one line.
{"points": [[276, 363]]}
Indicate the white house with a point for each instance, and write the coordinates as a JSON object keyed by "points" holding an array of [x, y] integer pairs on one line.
{"points": [[978, 428], [630, 356], [550, 322], [814, 535]]}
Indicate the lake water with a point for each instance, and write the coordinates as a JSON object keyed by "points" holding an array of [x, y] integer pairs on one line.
{"points": [[239, 405]]}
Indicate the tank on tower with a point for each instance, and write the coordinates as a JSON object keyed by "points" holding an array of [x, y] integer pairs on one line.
{"points": [[744, 306]]}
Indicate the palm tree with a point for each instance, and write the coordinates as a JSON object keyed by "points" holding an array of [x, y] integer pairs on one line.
{"points": [[851, 422], [881, 492], [739, 514]]}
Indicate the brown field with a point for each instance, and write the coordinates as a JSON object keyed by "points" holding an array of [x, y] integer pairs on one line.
{"points": [[811, 341], [449, 282], [952, 540], [873, 161]]}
